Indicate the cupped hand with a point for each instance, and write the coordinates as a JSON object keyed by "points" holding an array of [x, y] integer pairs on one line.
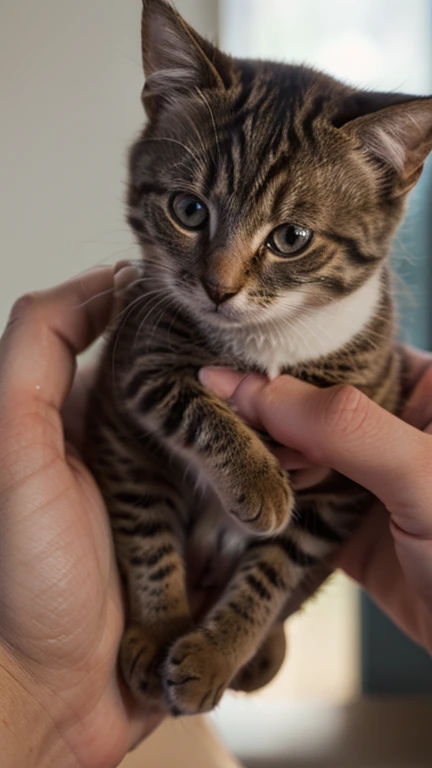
{"points": [[61, 604], [391, 553]]}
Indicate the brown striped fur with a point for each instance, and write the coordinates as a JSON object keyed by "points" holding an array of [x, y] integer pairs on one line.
{"points": [[194, 495]]}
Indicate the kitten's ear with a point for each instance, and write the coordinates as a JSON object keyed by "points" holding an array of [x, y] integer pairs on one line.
{"points": [[176, 59], [399, 137]]}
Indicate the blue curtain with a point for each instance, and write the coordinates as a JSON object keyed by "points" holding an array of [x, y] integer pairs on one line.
{"points": [[392, 664]]}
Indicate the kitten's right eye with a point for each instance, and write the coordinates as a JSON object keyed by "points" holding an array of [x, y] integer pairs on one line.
{"points": [[189, 212]]}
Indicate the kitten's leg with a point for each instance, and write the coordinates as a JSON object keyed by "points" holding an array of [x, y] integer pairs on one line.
{"points": [[269, 658], [149, 551], [145, 496], [312, 581], [201, 665], [202, 429], [265, 665], [310, 518]]}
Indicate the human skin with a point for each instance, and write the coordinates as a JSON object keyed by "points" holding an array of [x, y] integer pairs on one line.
{"points": [[62, 702], [391, 553], [61, 610]]}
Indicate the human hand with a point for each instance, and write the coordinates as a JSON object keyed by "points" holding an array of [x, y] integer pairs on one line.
{"points": [[61, 604], [391, 553]]}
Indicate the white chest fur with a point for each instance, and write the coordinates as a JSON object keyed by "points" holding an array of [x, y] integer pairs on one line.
{"points": [[308, 334]]}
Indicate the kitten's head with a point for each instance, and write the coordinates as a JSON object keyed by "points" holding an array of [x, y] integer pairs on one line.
{"points": [[259, 188]]}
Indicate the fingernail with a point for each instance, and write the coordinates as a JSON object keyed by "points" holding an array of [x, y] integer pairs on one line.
{"points": [[124, 274], [221, 381], [124, 264]]}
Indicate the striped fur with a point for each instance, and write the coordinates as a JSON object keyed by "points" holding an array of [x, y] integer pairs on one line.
{"points": [[194, 495]]}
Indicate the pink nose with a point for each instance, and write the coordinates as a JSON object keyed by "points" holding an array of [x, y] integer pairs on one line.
{"points": [[218, 293]]}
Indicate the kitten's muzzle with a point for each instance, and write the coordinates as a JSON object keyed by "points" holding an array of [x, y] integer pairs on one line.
{"points": [[218, 293]]}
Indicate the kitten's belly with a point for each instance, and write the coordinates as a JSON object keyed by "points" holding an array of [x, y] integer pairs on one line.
{"points": [[215, 543]]}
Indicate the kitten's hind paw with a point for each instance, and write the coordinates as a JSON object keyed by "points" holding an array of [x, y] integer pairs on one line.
{"points": [[140, 661], [264, 666], [195, 676]]}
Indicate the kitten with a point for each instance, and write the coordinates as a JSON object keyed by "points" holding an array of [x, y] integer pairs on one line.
{"points": [[265, 198]]}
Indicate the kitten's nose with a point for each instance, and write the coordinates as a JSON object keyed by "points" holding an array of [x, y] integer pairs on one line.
{"points": [[218, 293]]}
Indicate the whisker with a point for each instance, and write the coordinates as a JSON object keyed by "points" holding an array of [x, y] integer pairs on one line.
{"points": [[203, 98], [166, 300], [174, 141], [93, 298]]}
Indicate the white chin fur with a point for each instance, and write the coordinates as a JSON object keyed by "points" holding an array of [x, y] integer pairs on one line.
{"points": [[306, 334]]}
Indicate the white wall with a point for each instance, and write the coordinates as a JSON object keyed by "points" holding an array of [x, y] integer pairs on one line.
{"points": [[70, 84], [373, 44]]}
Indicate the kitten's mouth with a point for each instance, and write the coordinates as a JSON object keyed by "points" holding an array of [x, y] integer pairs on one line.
{"points": [[223, 315], [217, 314], [227, 314]]}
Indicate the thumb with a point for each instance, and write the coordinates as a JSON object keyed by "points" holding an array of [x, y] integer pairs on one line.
{"points": [[341, 428]]}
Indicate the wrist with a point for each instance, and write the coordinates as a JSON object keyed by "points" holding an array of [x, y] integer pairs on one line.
{"points": [[28, 735]]}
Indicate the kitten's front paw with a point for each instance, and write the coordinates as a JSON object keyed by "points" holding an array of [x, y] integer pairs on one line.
{"points": [[266, 502], [196, 676]]}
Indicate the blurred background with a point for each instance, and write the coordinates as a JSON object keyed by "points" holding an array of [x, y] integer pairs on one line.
{"points": [[70, 79]]}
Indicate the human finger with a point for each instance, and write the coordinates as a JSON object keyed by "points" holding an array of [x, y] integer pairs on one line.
{"points": [[371, 559], [45, 333], [75, 408], [341, 428], [288, 458], [418, 410], [74, 411], [126, 272], [416, 362], [225, 382]]}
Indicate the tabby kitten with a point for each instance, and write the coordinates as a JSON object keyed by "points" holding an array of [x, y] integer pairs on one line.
{"points": [[265, 198]]}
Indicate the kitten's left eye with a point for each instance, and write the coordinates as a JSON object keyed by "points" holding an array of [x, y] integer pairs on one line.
{"points": [[289, 240], [189, 211]]}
